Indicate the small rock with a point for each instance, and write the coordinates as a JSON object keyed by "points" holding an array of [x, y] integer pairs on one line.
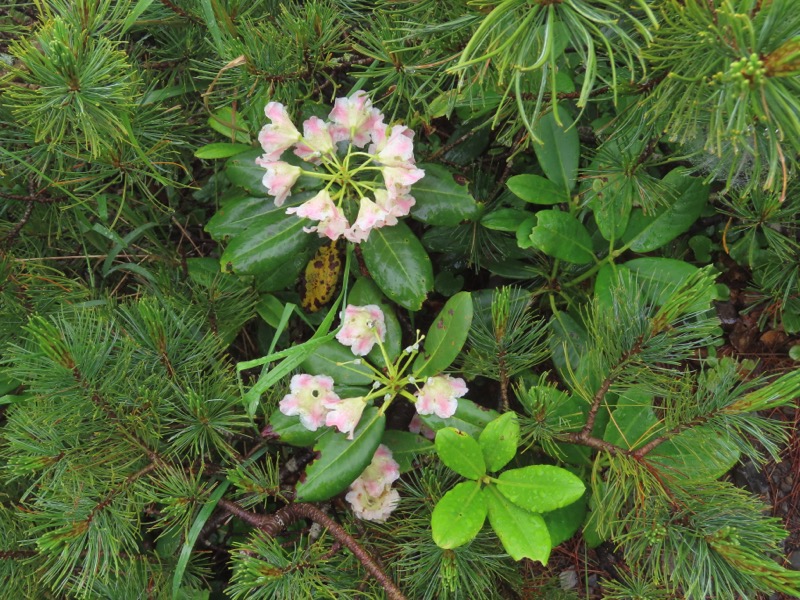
{"points": [[794, 559], [568, 579]]}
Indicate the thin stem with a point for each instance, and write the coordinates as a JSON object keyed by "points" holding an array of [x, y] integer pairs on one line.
{"points": [[273, 524]]}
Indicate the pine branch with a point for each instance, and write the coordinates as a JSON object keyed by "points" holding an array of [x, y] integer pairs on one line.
{"points": [[273, 524]]}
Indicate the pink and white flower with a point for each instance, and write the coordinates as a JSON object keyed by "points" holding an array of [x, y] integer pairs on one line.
{"points": [[382, 471], [345, 414], [307, 398], [395, 205], [332, 222], [371, 495], [398, 180], [276, 137], [349, 175], [370, 215], [369, 507], [439, 395], [362, 326], [393, 146], [417, 426], [316, 141], [279, 178], [354, 118]]}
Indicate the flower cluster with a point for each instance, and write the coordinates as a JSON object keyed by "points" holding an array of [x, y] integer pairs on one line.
{"points": [[371, 495], [372, 185], [313, 399]]}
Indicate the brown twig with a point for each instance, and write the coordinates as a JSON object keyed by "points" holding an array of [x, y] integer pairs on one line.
{"points": [[180, 12], [273, 524], [9, 239]]}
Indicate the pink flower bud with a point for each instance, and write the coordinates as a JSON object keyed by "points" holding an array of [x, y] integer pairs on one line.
{"points": [[279, 178], [439, 396], [280, 134], [362, 326], [345, 414], [307, 398]]}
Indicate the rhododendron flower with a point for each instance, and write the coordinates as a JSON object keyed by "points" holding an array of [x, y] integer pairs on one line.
{"points": [[307, 398], [372, 508], [382, 471], [332, 222], [399, 179], [354, 118], [439, 396], [362, 326], [417, 426], [280, 134], [371, 496], [369, 215], [316, 142], [351, 176], [393, 146], [279, 179], [345, 414]]}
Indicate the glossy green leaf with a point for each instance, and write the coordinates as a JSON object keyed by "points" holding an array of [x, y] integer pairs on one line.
{"points": [[560, 235], [504, 219], [287, 275], [540, 488], [646, 233], [560, 151], [249, 212], [442, 197], [337, 361], [266, 251], [568, 343], [537, 190], [499, 441], [696, 455], [607, 281], [470, 418], [446, 337], [459, 515], [399, 265], [271, 310], [562, 523], [243, 172], [660, 277], [221, 150], [406, 446], [523, 534], [232, 127], [460, 452], [524, 230], [364, 292], [612, 207], [633, 422], [340, 460], [290, 431]]}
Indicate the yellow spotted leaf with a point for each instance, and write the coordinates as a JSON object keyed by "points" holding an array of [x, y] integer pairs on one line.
{"points": [[321, 278]]}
